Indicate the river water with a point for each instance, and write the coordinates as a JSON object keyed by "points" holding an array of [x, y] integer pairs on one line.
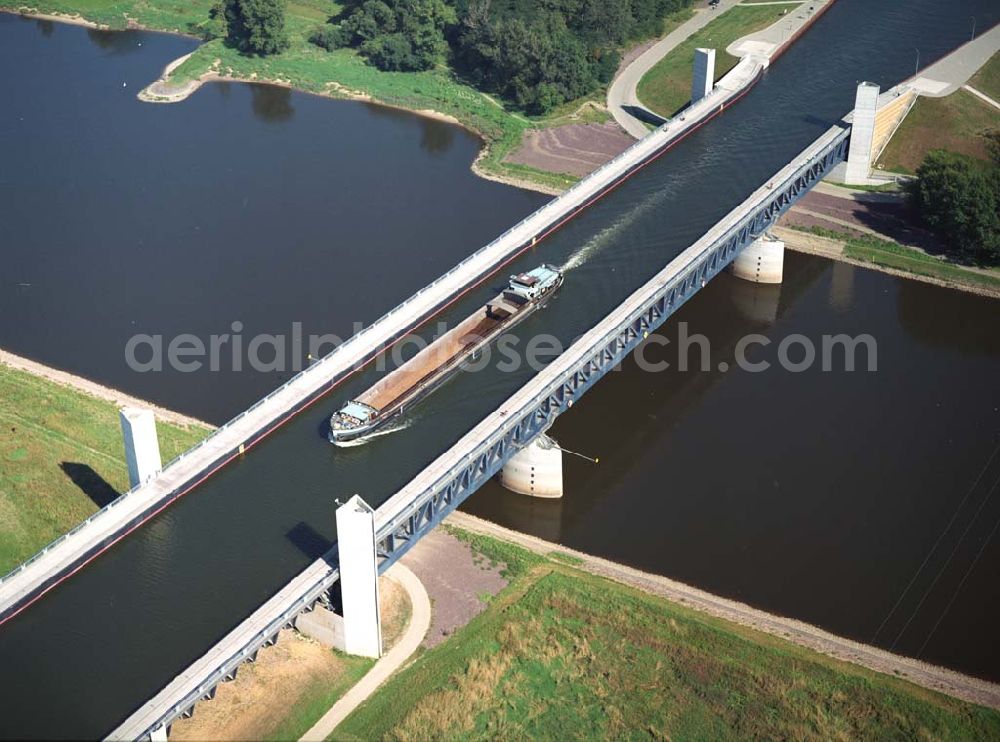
{"points": [[814, 494]]}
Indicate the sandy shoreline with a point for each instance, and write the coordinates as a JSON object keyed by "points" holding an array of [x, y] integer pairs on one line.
{"points": [[73, 20], [93, 389], [825, 247]]}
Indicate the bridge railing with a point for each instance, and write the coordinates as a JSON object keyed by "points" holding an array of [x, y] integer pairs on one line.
{"points": [[227, 668], [408, 514], [602, 173]]}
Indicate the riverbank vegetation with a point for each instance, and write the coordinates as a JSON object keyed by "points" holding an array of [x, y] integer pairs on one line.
{"points": [[279, 696], [61, 459], [497, 112], [958, 198], [666, 88], [252, 26], [563, 654], [888, 254], [533, 56]]}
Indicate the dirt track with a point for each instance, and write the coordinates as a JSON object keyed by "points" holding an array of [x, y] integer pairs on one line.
{"points": [[575, 149]]}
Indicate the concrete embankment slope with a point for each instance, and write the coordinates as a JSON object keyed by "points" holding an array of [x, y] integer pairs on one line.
{"points": [[73, 551]]}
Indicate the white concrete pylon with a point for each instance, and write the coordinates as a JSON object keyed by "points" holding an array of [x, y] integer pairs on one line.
{"points": [[142, 449], [703, 74], [359, 578], [535, 470], [859, 154], [762, 261]]}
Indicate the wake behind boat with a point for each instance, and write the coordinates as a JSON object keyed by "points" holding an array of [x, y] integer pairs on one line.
{"points": [[432, 366]]}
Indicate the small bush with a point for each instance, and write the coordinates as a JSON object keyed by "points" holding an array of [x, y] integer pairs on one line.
{"points": [[328, 37]]}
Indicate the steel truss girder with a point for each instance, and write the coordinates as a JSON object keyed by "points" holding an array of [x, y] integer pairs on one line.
{"points": [[435, 503]]}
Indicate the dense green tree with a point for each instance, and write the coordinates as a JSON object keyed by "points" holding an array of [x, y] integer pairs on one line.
{"points": [[535, 53], [959, 199], [257, 26], [541, 54], [329, 37], [403, 35], [217, 27]]}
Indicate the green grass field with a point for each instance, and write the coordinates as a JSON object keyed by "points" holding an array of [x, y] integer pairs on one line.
{"points": [[667, 87], [56, 446], [987, 80], [561, 654], [956, 122]]}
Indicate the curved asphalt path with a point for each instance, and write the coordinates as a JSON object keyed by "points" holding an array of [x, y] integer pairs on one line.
{"points": [[622, 93]]}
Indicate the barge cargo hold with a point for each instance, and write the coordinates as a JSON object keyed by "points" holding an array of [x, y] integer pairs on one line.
{"points": [[433, 365]]}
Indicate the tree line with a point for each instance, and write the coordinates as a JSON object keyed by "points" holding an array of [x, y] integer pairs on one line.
{"points": [[535, 55], [958, 198]]}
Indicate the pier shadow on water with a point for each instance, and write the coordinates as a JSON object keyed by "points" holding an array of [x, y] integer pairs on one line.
{"points": [[309, 541]]}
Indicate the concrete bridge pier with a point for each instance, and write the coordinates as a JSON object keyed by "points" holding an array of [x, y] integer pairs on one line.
{"points": [[762, 261], [142, 448], [859, 154], [703, 75], [359, 578], [535, 470]]}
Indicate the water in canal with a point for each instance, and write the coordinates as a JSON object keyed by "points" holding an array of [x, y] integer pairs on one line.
{"points": [[816, 494]]}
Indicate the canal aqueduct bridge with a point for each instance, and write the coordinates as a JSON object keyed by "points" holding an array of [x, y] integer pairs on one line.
{"points": [[74, 550], [399, 522], [425, 501]]}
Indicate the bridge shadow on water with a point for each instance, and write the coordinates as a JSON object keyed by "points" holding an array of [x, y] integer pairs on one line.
{"points": [[90, 482]]}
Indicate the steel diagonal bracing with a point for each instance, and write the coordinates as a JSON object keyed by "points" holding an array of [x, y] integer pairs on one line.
{"points": [[484, 460], [407, 516]]}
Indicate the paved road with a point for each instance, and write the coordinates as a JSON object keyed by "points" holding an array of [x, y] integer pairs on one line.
{"points": [[950, 73], [766, 41], [982, 96], [622, 93], [622, 97]]}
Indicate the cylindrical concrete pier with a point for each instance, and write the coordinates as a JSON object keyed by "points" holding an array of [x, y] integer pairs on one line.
{"points": [[762, 261], [535, 470]]}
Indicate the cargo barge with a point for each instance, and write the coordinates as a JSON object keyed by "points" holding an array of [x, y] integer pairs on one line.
{"points": [[433, 365]]}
